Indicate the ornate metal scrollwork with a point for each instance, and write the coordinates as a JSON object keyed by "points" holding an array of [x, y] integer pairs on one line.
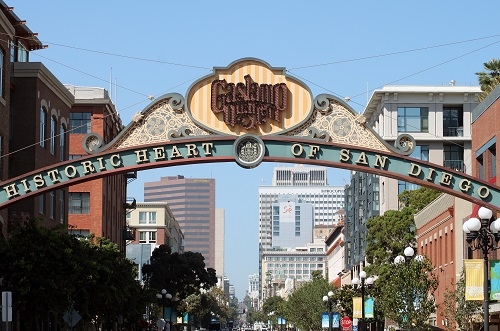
{"points": [[404, 144], [92, 143]]}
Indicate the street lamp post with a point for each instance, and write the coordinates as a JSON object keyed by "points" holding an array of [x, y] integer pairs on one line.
{"points": [[483, 235], [163, 296], [400, 259], [360, 282], [328, 299]]}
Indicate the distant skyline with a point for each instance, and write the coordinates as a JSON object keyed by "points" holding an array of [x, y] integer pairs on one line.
{"points": [[139, 52]]}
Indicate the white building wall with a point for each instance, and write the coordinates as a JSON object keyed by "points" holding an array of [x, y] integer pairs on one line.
{"points": [[382, 114]]}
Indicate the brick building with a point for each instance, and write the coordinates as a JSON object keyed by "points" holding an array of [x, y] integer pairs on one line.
{"points": [[34, 113], [96, 207]]}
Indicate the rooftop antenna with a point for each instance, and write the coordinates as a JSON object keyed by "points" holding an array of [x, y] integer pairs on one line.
{"points": [[111, 83]]}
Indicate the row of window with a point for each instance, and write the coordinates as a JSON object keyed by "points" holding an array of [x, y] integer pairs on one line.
{"points": [[297, 271], [292, 265], [416, 119], [51, 204], [294, 258], [53, 134]]}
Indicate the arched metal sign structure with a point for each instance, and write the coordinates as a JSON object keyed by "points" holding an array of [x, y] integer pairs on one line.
{"points": [[249, 113]]}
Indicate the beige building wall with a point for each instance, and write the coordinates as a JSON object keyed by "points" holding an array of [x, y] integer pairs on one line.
{"points": [[219, 242], [382, 114]]}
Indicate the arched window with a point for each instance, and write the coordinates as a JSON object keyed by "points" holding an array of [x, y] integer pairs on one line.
{"points": [[43, 124], [53, 128], [62, 142]]}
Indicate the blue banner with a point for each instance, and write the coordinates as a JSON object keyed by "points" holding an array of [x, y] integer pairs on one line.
{"points": [[325, 320], [369, 310], [335, 320], [495, 280]]}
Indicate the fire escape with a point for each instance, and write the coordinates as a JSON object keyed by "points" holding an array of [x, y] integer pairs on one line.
{"points": [[129, 205]]}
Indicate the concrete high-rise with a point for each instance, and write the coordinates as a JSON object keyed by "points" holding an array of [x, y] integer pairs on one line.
{"points": [[192, 202], [308, 185]]}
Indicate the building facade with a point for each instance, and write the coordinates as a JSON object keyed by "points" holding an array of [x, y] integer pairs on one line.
{"points": [[14, 51], [440, 238], [192, 202], [362, 202], [36, 94], [437, 117], [151, 224], [298, 263], [99, 206]]}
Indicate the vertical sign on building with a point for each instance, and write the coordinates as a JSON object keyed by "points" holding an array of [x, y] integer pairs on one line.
{"points": [[287, 212]]}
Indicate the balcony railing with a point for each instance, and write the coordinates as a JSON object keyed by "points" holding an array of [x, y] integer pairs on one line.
{"points": [[457, 165], [451, 131]]}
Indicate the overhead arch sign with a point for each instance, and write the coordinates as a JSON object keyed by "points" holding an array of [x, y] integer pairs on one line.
{"points": [[249, 113]]}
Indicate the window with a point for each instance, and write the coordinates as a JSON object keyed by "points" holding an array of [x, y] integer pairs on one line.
{"points": [[413, 119], [22, 53], [480, 167], [43, 119], [62, 142], [79, 203], [147, 237], [493, 161], [12, 50], [2, 71], [147, 217], [453, 122], [405, 186], [421, 152], [41, 204], [53, 125], [79, 122], [1, 158], [52, 196], [453, 156], [62, 206]]}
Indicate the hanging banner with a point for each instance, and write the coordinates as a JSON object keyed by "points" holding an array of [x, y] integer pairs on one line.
{"points": [[356, 307], [474, 273], [335, 320], [369, 310], [325, 320], [495, 280]]}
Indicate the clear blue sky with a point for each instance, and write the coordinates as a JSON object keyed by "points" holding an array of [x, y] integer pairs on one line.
{"points": [[345, 48]]}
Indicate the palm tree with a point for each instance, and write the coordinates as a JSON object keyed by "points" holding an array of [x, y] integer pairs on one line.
{"points": [[490, 79]]}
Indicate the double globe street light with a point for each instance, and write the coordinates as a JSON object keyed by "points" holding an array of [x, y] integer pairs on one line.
{"points": [[483, 234], [329, 301], [163, 296], [361, 282]]}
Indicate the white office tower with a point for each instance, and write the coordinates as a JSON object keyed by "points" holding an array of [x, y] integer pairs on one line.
{"points": [[306, 185]]}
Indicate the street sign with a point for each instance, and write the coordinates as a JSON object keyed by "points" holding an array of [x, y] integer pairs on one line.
{"points": [[346, 323]]}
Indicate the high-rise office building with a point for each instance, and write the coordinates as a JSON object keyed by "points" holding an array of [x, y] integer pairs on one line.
{"points": [[192, 202], [307, 185]]}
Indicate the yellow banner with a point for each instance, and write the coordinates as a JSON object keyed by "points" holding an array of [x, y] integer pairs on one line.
{"points": [[474, 279], [356, 307]]}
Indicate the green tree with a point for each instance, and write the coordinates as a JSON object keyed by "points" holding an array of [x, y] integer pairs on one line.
{"points": [[181, 274], [461, 313], [305, 305], [39, 267], [205, 305], [489, 78], [389, 234], [408, 293]]}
